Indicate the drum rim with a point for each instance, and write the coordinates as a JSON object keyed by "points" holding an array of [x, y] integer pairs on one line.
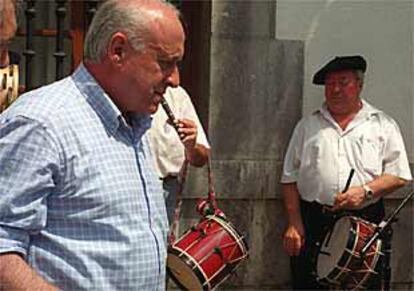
{"points": [[206, 283], [189, 261]]}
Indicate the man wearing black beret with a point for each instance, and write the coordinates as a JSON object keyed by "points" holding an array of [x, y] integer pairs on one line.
{"points": [[346, 135]]}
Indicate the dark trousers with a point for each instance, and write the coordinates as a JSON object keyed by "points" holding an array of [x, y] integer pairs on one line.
{"points": [[317, 222]]}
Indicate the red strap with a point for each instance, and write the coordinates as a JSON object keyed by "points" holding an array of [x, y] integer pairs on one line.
{"points": [[204, 206]]}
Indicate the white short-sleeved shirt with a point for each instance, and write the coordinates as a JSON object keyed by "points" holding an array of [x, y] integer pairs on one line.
{"points": [[167, 147], [321, 155]]}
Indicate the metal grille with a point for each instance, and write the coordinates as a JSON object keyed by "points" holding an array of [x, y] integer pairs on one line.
{"points": [[53, 35], [66, 24]]}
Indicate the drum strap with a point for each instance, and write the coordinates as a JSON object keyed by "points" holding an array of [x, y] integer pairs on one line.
{"points": [[209, 206], [204, 206]]}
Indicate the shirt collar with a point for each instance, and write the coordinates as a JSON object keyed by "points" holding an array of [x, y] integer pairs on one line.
{"points": [[103, 105], [141, 122], [368, 110]]}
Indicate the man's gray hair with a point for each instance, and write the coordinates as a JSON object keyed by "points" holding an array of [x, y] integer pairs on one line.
{"points": [[114, 16]]}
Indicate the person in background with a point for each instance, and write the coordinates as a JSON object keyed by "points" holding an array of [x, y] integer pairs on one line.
{"points": [[8, 27], [345, 133], [81, 207], [170, 150]]}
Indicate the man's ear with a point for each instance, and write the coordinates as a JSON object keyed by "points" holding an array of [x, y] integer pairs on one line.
{"points": [[117, 48]]}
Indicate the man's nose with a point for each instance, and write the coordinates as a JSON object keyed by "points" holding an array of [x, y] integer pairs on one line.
{"points": [[173, 79], [337, 87]]}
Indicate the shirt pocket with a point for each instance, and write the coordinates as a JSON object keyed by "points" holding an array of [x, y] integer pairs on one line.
{"points": [[368, 150], [311, 156]]}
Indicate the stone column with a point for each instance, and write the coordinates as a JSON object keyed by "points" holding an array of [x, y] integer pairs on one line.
{"points": [[255, 101]]}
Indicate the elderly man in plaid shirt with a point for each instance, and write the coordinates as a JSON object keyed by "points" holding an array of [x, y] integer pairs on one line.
{"points": [[81, 207]]}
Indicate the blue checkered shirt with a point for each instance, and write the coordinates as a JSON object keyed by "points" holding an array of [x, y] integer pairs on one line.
{"points": [[79, 198]]}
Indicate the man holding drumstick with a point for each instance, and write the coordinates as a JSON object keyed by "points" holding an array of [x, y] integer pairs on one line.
{"points": [[345, 133]]}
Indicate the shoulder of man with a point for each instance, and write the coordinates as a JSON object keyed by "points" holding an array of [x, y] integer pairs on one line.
{"points": [[383, 118], [44, 103], [176, 95], [179, 101]]}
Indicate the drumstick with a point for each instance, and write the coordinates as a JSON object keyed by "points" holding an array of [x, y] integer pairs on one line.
{"points": [[348, 182]]}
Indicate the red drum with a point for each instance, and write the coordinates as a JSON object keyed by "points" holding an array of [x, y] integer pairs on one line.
{"points": [[206, 254], [339, 262]]}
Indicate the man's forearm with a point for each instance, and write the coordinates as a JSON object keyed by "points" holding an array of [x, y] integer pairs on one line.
{"points": [[198, 156], [16, 274], [292, 202], [386, 184]]}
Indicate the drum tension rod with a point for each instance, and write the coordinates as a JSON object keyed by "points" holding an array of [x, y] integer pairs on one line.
{"points": [[202, 232], [318, 244], [218, 251], [325, 253], [328, 239]]}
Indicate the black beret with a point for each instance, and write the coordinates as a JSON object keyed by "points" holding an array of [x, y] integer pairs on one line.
{"points": [[356, 63]]}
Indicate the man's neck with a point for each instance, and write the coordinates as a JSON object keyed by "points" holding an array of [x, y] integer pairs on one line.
{"points": [[344, 119]]}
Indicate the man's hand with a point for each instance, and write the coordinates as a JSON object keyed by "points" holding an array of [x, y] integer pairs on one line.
{"points": [[16, 274], [351, 199], [294, 236], [187, 130], [196, 154], [294, 239]]}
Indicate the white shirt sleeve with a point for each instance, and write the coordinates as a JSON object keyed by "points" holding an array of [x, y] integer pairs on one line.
{"points": [[395, 160], [291, 162]]}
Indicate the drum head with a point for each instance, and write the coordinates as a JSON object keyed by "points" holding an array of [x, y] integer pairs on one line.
{"points": [[332, 250], [182, 274]]}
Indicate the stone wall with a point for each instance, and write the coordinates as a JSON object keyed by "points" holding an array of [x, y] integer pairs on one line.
{"points": [[255, 101]]}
